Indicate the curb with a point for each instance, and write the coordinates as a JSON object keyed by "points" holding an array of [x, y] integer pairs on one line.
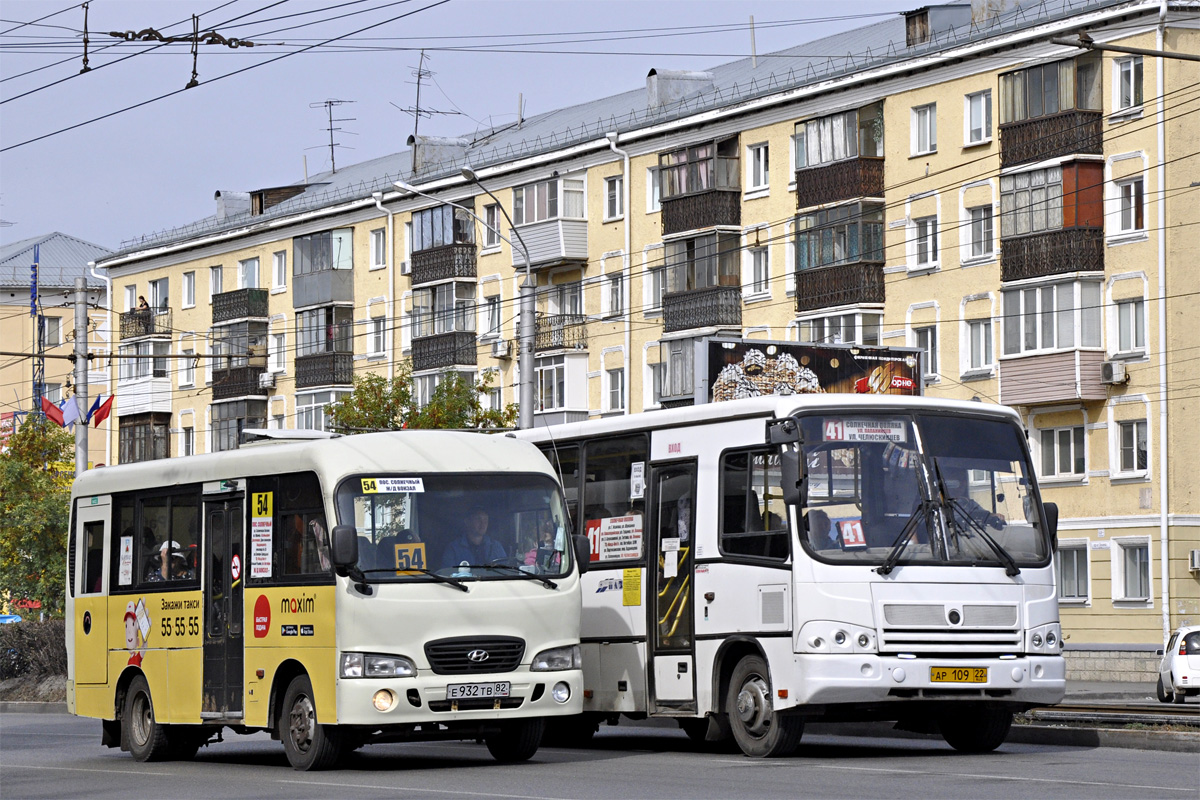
{"points": [[31, 707]]}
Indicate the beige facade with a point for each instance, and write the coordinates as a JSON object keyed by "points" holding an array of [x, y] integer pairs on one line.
{"points": [[1038, 245]]}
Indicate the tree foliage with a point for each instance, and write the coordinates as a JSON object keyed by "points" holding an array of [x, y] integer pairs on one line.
{"points": [[378, 403], [34, 512]]}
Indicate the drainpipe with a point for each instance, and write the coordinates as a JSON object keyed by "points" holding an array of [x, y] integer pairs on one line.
{"points": [[391, 260], [107, 281], [1163, 439], [627, 279]]}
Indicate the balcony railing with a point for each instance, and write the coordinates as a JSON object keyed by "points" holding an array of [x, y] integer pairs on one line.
{"points": [[237, 382], [444, 350], [1052, 253], [839, 285], [135, 324], [1063, 134], [443, 263], [560, 332], [713, 307], [841, 180], [239, 304], [691, 212], [324, 369]]}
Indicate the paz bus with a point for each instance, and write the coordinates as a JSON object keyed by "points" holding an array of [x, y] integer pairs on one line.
{"points": [[335, 592], [762, 562]]}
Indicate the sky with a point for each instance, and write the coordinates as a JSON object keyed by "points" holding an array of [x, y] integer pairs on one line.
{"points": [[257, 116]]}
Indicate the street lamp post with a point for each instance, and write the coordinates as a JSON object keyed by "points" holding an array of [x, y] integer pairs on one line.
{"points": [[526, 330]]}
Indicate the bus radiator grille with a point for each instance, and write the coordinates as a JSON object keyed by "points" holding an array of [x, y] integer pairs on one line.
{"points": [[474, 655]]}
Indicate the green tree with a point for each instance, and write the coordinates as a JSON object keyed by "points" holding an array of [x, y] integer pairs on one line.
{"points": [[35, 499], [380, 404]]}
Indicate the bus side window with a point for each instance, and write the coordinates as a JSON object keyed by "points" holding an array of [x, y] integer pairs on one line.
{"points": [[753, 515], [610, 465], [565, 460]]}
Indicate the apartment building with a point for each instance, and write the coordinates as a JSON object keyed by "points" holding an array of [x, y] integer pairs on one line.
{"points": [[1023, 211]]}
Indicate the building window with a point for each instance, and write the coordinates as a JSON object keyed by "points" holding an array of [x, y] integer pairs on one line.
{"points": [[278, 352], [279, 269], [230, 419], [847, 134], [441, 226], [495, 401], [554, 199], [143, 437], [1130, 194], [187, 442], [444, 308], [980, 231], [1062, 452], [703, 261], [324, 330], [1128, 82], [760, 270], [924, 129], [854, 328], [187, 368], [1135, 570], [926, 340], [616, 389], [378, 336], [655, 380], [492, 311], [379, 247], [759, 166], [189, 289], [925, 241], [53, 336], [842, 235], [130, 298], [1051, 317], [1131, 325], [979, 334], [53, 392], [144, 366], [276, 423], [1071, 568], [248, 274], [160, 295], [491, 228], [1050, 88], [216, 283], [653, 190], [700, 168], [979, 117], [1133, 446], [616, 294], [565, 298], [614, 207], [310, 409], [551, 377], [326, 250]]}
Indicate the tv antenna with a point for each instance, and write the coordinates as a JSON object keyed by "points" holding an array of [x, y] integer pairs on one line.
{"points": [[329, 106]]}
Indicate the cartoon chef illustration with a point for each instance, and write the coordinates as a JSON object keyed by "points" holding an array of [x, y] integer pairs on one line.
{"points": [[133, 636]]}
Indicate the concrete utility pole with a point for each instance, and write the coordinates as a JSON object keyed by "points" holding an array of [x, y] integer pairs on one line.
{"points": [[81, 376]]}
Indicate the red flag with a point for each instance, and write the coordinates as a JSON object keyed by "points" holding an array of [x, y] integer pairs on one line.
{"points": [[103, 411], [52, 411]]}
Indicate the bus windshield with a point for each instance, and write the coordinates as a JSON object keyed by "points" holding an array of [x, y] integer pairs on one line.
{"points": [[477, 526], [966, 480]]}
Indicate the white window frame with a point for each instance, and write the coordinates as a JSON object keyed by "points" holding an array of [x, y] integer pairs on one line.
{"points": [[160, 294], [248, 267], [1043, 317], [925, 337], [758, 168], [758, 271], [491, 315], [378, 239], [1131, 204], [1127, 430], [614, 389], [1075, 437], [187, 441], [187, 368], [562, 186], [1121, 549], [831, 328], [188, 287], [1128, 69], [614, 294], [984, 99], [377, 337], [53, 334], [1131, 326], [614, 198], [554, 370], [981, 346], [279, 270], [981, 233], [923, 243], [924, 126], [130, 298], [653, 190], [491, 226], [216, 282], [277, 343], [1080, 553]]}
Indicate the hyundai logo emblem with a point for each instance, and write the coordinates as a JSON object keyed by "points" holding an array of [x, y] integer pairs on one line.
{"points": [[477, 656]]}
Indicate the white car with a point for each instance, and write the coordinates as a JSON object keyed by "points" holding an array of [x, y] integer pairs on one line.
{"points": [[1179, 672]]}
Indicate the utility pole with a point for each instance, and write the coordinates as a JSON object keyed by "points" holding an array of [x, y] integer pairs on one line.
{"points": [[39, 331], [81, 376]]}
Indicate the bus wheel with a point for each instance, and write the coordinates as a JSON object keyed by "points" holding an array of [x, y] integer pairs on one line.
{"points": [[757, 729], [976, 730], [517, 740], [308, 744], [147, 739]]}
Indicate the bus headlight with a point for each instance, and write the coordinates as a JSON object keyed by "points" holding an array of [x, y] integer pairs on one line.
{"points": [[367, 665], [557, 659], [561, 692], [823, 636]]}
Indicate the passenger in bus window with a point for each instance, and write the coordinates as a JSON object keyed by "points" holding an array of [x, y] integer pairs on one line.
{"points": [[161, 569], [474, 546], [820, 532]]}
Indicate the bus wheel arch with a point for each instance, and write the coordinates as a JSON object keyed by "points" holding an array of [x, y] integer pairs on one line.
{"points": [[145, 736], [731, 652], [285, 673], [119, 699], [308, 743], [759, 730]]}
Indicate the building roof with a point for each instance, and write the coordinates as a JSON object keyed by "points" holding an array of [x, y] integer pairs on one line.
{"points": [[61, 259], [820, 60]]}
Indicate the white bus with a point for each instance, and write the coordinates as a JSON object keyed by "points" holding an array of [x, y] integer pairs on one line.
{"points": [[337, 592], [759, 563]]}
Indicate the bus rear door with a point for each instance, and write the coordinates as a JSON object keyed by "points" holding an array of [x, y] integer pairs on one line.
{"points": [[224, 656], [91, 600], [669, 566]]}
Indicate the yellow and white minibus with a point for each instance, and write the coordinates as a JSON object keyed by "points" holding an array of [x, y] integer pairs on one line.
{"points": [[335, 592]]}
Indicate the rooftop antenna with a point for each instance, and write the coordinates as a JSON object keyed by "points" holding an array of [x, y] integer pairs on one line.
{"points": [[329, 104], [420, 73]]}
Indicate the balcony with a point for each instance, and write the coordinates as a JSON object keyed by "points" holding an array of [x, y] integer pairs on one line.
{"points": [[713, 307], [691, 212], [1069, 376], [560, 332], [839, 285], [551, 243], [1063, 134], [137, 324], [324, 369], [1052, 253], [841, 180], [237, 382], [241, 304], [319, 288], [443, 263], [444, 350]]}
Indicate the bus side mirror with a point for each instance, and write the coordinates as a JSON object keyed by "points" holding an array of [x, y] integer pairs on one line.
{"points": [[795, 482], [1052, 523], [344, 547], [583, 552]]}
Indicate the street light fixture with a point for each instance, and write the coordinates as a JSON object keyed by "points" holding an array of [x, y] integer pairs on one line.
{"points": [[526, 328]]}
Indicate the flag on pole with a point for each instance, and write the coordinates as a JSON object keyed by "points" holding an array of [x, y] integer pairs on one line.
{"points": [[52, 411], [95, 407], [103, 411], [70, 409]]}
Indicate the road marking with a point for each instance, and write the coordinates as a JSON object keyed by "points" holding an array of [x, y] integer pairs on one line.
{"points": [[81, 769], [426, 790]]}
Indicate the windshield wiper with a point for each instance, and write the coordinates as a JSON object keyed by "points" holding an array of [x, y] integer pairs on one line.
{"points": [[549, 584], [429, 572], [1010, 564], [903, 539]]}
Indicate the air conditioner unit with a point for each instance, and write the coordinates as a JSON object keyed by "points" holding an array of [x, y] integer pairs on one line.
{"points": [[405, 268], [1194, 560], [266, 380], [500, 348], [1113, 372]]}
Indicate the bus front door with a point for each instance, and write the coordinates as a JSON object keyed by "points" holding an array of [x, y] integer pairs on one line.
{"points": [[223, 647], [671, 626], [90, 552]]}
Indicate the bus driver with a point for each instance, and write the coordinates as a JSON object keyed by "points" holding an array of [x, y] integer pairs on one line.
{"points": [[474, 547]]}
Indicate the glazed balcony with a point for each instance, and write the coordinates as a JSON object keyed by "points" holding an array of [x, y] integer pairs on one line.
{"points": [[444, 350], [712, 307], [551, 243], [1052, 253], [1050, 378], [149, 323], [237, 382], [692, 212], [839, 285], [240, 304], [841, 180], [1063, 134], [443, 263], [560, 332], [324, 369]]}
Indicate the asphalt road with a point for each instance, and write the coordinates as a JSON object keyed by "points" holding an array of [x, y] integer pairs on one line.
{"points": [[57, 756]]}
